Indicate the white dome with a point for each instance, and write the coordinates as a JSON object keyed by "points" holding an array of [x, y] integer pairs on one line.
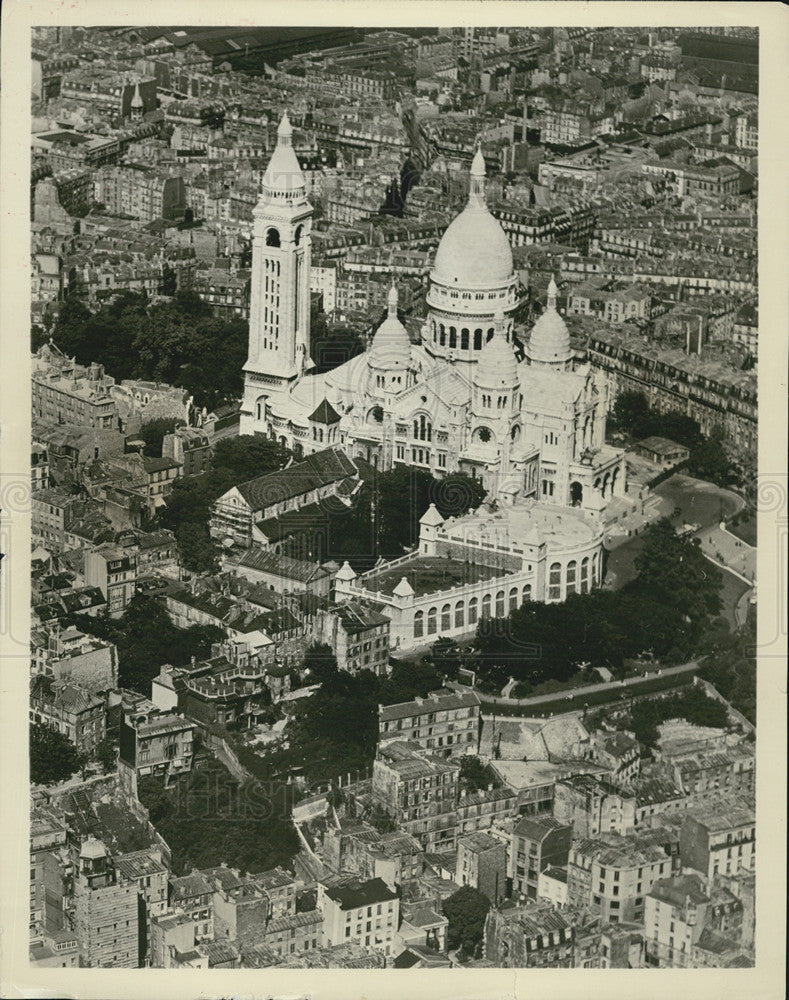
{"points": [[549, 341], [283, 177], [391, 346], [497, 366], [474, 252]]}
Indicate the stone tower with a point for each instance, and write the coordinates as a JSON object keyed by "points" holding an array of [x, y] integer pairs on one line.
{"points": [[279, 319]]}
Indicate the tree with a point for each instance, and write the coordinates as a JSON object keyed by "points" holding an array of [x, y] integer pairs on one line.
{"points": [[196, 548], [152, 433], [169, 284], [53, 757], [475, 775], [320, 663], [106, 754], [674, 572], [446, 657], [249, 457], [630, 409], [466, 910], [409, 680], [709, 461]]}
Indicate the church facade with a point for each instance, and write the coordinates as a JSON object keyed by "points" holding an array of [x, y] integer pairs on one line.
{"points": [[460, 399]]}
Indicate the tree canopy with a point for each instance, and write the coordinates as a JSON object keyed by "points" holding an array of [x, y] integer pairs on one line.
{"points": [[466, 910], [708, 458], [53, 757], [153, 431], [209, 818], [146, 638], [165, 342]]}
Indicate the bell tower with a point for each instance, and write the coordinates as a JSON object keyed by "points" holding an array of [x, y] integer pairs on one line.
{"points": [[279, 315]]}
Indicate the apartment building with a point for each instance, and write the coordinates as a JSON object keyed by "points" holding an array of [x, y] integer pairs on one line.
{"points": [[155, 743], [538, 843], [70, 710], [357, 634], [365, 913], [445, 722], [419, 791]]}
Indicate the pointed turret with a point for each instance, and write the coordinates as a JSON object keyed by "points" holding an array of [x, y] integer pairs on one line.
{"points": [[431, 516], [345, 573], [403, 589], [283, 181]]}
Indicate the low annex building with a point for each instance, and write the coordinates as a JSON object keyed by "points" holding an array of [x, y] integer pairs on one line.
{"points": [[481, 565]]}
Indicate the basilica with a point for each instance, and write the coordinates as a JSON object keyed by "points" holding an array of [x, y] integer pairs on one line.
{"points": [[531, 428]]}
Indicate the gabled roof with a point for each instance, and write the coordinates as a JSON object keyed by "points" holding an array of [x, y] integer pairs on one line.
{"points": [[320, 469], [264, 561]]}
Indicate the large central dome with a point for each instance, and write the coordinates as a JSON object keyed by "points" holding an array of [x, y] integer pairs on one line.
{"points": [[474, 252]]}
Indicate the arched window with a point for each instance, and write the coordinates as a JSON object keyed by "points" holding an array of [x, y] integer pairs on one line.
{"points": [[585, 575], [423, 429], [272, 237], [526, 593], [297, 235], [490, 334], [446, 618], [443, 337], [486, 606], [513, 598], [431, 621], [459, 614], [464, 339], [500, 604], [377, 414], [555, 582], [478, 340], [572, 568], [419, 624], [453, 337], [472, 611]]}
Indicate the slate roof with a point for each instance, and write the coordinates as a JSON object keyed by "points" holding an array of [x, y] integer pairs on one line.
{"points": [[435, 702], [261, 559], [374, 890], [325, 413], [186, 886], [320, 469], [537, 828]]}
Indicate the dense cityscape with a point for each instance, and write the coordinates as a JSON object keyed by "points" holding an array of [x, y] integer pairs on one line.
{"points": [[394, 412]]}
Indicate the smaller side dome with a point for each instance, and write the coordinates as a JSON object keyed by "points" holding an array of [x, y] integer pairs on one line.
{"points": [[497, 366], [549, 341], [391, 346]]}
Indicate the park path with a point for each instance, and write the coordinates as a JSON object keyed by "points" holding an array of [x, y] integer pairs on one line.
{"points": [[569, 693]]}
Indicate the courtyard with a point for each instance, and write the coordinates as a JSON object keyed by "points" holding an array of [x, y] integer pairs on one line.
{"points": [[429, 575]]}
